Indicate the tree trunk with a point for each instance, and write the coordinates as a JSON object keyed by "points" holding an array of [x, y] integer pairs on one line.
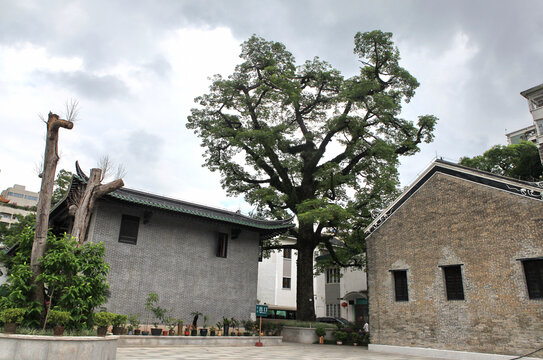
{"points": [[93, 191], [305, 301], [50, 161]]}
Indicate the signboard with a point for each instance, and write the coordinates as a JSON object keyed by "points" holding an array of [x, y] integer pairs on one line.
{"points": [[262, 310]]}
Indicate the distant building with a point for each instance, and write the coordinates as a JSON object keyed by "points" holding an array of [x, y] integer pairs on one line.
{"points": [[534, 132], [341, 292], [277, 282], [456, 264], [18, 195]]}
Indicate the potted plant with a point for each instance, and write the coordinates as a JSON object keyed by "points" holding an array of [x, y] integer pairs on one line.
{"points": [[103, 320], [226, 325], [340, 337], [203, 331], [187, 330], [212, 331], [11, 318], [151, 306], [59, 319], [194, 328], [321, 332], [235, 324], [171, 323], [119, 322], [179, 323], [134, 321], [219, 326], [354, 338]]}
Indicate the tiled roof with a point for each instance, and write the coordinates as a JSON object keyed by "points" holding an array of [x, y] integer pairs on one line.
{"points": [[165, 203]]}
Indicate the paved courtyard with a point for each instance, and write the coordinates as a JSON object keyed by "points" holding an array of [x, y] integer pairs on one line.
{"points": [[279, 352]]}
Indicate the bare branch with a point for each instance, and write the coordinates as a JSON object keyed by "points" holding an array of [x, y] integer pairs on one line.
{"points": [[72, 110]]}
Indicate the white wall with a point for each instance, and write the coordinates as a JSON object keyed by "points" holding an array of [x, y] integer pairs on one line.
{"points": [[270, 281]]}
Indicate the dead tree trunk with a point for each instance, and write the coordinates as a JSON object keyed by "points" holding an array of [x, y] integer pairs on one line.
{"points": [[83, 210], [54, 123]]}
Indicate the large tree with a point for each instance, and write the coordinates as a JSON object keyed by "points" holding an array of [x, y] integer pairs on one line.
{"points": [[305, 141], [519, 161]]}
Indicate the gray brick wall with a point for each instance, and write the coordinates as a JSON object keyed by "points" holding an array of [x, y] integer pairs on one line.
{"points": [[453, 221], [175, 257]]}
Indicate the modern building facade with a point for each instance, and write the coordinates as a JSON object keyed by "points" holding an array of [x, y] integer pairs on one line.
{"points": [[18, 195], [456, 263], [196, 258]]}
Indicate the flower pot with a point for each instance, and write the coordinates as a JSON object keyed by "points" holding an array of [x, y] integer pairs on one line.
{"points": [[203, 332], [339, 342], [165, 332], [9, 328], [187, 333], [355, 344], [226, 330], [117, 330], [58, 330], [144, 332], [101, 331], [212, 333], [194, 332], [137, 332], [180, 329], [171, 332], [321, 339], [156, 331]]}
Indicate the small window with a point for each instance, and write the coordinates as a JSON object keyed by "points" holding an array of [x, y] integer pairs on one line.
{"points": [[400, 285], [332, 276], [453, 282], [222, 245], [286, 283], [287, 253], [129, 229], [533, 270]]}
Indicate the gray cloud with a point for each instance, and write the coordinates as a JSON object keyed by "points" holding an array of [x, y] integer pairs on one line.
{"points": [[87, 85]]}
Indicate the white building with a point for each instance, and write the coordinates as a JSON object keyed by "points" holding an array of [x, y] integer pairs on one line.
{"points": [[338, 293], [342, 293]]}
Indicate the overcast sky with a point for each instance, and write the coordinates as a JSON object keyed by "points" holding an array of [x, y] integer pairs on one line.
{"points": [[136, 66]]}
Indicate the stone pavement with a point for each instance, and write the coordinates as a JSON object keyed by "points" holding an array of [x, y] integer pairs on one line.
{"points": [[278, 352]]}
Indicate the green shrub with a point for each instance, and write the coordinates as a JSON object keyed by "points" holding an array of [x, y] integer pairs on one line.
{"points": [[58, 317], [104, 319], [13, 315], [340, 335], [134, 321], [354, 337], [320, 331], [119, 320]]}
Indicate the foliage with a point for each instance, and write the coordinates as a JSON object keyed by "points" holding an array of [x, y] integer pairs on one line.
{"points": [[219, 325], [59, 317], [13, 315], [134, 321], [119, 320], [75, 278], [305, 141], [354, 337], [340, 335], [11, 236], [62, 185], [151, 305], [320, 330], [206, 319], [104, 318], [519, 161]]}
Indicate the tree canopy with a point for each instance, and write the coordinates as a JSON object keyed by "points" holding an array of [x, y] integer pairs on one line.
{"points": [[304, 141], [62, 183], [519, 161]]}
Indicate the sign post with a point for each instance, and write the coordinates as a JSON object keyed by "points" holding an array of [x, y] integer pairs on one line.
{"points": [[261, 310]]}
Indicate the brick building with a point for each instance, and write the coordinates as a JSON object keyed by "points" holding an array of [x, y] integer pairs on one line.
{"points": [[456, 263], [196, 258]]}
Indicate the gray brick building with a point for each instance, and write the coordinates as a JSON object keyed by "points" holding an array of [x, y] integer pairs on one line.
{"points": [[196, 258], [456, 263]]}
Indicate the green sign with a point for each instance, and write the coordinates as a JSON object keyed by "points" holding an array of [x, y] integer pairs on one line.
{"points": [[262, 310]]}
